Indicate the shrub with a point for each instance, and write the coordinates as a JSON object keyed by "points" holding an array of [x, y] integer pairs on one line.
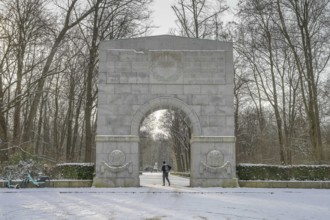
{"points": [[274, 172], [80, 171]]}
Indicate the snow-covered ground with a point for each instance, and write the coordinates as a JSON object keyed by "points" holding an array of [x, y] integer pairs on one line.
{"points": [[154, 201]]}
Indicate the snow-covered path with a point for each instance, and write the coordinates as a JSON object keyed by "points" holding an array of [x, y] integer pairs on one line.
{"points": [[153, 201]]}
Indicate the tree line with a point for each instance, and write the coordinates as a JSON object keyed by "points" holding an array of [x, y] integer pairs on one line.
{"points": [[48, 72], [49, 61], [281, 67], [281, 78]]}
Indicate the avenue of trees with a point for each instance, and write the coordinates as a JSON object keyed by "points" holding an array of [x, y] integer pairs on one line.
{"points": [[165, 135], [49, 66]]}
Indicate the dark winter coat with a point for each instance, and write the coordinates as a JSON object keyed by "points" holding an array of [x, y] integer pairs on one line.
{"points": [[166, 168]]}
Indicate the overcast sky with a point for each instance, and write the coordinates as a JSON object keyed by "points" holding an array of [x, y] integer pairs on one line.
{"points": [[164, 16]]}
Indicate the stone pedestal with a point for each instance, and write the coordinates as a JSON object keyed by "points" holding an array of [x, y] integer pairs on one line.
{"points": [[117, 161], [213, 162]]}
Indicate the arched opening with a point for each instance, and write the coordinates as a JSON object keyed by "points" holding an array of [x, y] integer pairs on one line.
{"points": [[166, 103], [176, 124], [165, 136]]}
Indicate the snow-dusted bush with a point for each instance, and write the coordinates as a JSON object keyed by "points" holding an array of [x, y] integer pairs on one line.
{"points": [[82, 171], [275, 172]]}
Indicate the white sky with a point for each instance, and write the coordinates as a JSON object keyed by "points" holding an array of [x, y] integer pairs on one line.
{"points": [[164, 16]]}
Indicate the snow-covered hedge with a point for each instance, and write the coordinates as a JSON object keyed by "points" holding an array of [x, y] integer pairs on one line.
{"points": [[275, 172], [80, 171]]}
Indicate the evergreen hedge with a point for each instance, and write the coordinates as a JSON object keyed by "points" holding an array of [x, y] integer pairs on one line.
{"points": [[274, 172], [80, 171]]}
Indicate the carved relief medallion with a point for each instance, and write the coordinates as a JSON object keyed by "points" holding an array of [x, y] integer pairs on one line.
{"points": [[116, 163], [215, 164], [166, 66], [117, 158]]}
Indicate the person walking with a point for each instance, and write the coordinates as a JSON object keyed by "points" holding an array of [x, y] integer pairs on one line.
{"points": [[166, 169]]}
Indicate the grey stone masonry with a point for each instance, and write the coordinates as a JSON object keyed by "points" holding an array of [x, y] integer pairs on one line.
{"points": [[141, 75]]}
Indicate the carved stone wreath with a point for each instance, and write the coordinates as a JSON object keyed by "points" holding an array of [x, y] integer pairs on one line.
{"points": [[117, 158], [166, 66], [215, 164], [116, 163], [214, 158]]}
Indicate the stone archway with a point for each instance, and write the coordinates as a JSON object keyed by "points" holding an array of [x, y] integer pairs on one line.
{"points": [[165, 103], [141, 75]]}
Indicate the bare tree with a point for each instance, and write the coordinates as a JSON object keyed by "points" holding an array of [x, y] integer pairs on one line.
{"points": [[23, 25], [306, 27], [71, 19], [149, 144], [111, 19], [49, 71], [176, 126], [272, 43], [263, 59], [199, 18]]}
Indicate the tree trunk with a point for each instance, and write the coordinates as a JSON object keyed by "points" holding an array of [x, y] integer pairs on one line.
{"points": [[69, 143], [76, 131], [89, 86], [304, 61], [68, 24]]}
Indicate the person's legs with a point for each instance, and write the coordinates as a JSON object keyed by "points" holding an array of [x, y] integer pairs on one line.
{"points": [[166, 177], [168, 180]]}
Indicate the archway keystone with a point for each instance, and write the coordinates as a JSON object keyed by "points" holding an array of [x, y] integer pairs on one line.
{"points": [[139, 76]]}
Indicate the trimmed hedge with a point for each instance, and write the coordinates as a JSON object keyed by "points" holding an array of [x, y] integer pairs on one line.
{"points": [[80, 171], [273, 172]]}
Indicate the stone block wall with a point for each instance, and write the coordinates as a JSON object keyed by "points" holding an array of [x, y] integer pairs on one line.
{"points": [[142, 75], [198, 78]]}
